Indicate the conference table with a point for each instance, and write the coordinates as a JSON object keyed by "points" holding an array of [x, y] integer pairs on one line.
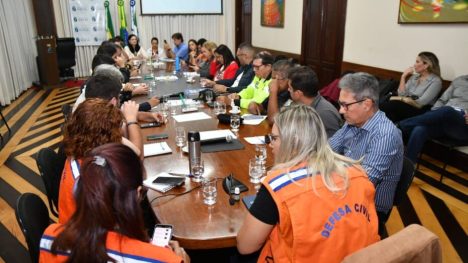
{"points": [[196, 225]]}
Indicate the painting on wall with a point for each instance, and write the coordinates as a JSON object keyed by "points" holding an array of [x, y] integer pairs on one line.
{"points": [[272, 13], [433, 11]]}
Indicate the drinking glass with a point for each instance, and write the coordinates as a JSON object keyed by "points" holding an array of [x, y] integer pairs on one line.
{"points": [[180, 137], [164, 110], [175, 109], [222, 107], [255, 170], [235, 122], [209, 191], [152, 88], [198, 169], [261, 153], [216, 108]]}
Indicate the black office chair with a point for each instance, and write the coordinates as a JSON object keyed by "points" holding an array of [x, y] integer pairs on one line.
{"points": [[449, 145], [66, 57], [33, 218], [50, 166], [6, 123], [406, 178]]}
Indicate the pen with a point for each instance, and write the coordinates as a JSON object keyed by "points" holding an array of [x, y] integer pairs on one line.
{"points": [[182, 175]]}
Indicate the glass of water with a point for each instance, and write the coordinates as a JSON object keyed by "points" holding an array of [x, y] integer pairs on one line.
{"points": [[255, 170], [198, 168], [222, 107], [235, 122], [175, 109], [180, 136], [164, 110], [209, 191], [261, 153]]}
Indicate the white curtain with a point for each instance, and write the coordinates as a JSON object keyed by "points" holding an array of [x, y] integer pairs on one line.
{"points": [[17, 48], [217, 28]]}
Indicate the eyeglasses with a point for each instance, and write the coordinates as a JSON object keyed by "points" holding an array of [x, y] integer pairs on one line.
{"points": [[346, 105], [269, 138], [257, 67]]}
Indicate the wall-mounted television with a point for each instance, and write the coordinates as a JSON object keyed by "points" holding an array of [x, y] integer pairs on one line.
{"points": [[181, 7]]}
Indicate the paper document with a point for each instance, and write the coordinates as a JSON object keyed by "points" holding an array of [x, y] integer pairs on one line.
{"points": [[255, 140], [191, 117], [250, 119], [216, 134], [166, 78], [178, 102], [156, 149]]}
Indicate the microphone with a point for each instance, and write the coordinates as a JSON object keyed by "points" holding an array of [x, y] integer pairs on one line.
{"points": [[231, 199]]}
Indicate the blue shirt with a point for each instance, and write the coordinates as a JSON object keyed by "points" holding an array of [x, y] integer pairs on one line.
{"points": [[378, 142], [181, 51]]}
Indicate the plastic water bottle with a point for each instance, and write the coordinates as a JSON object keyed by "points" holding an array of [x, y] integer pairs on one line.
{"points": [[177, 64]]}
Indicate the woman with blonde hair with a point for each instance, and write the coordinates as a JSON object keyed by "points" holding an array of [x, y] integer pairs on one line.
{"points": [[208, 66], [419, 88], [314, 203]]}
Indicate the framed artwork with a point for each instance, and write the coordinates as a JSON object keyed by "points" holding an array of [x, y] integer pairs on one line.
{"points": [[433, 11], [272, 13]]}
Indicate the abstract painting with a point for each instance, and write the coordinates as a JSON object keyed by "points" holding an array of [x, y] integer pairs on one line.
{"points": [[433, 11], [272, 13]]}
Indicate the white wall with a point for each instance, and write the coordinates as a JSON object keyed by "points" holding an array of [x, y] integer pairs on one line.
{"points": [[374, 38], [287, 39]]}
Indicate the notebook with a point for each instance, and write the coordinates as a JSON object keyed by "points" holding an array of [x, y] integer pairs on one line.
{"points": [[160, 187], [157, 148]]}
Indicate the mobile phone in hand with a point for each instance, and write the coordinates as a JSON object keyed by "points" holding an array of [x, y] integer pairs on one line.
{"points": [[165, 41], [162, 235]]}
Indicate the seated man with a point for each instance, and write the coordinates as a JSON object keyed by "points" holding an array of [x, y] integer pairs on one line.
{"points": [[448, 118], [257, 91], [244, 75], [303, 88], [180, 48], [369, 135]]}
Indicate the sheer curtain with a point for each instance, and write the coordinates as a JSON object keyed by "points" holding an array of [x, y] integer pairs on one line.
{"points": [[218, 28], [17, 48]]}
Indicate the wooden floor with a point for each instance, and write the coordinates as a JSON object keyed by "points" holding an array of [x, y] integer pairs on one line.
{"points": [[36, 117]]}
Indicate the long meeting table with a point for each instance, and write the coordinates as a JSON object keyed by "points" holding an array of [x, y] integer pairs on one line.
{"points": [[196, 225]]}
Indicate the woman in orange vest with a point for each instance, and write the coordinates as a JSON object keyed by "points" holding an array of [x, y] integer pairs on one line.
{"points": [[314, 204], [108, 223]]}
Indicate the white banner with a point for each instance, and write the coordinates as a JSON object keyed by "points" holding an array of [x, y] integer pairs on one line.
{"points": [[88, 22]]}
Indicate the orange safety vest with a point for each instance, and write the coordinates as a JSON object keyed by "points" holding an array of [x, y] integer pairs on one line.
{"points": [[119, 247], [67, 204], [322, 226]]}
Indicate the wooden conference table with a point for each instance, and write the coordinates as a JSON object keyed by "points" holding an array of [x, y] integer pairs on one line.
{"points": [[196, 225]]}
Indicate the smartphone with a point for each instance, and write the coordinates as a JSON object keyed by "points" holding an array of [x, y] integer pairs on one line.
{"points": [[157, 136], [162, 235], [165, 42], [150, 125], [170, 180]]}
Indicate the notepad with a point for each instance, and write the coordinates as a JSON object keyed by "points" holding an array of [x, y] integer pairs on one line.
{"points": [[250, 119], [157, 148], [216, 134], [255, 139], [191, 117], [157, 186]]}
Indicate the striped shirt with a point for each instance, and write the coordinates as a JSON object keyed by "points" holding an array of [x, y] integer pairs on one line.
{"points": [[380, 145]]}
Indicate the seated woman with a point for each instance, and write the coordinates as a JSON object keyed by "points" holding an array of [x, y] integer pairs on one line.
{"points": [[417, 94], [155, 51], [448, 118], [133, 49], [314, 203], [107, 225], [193, 52], [227, 64], [207, 68], [95, 122]]}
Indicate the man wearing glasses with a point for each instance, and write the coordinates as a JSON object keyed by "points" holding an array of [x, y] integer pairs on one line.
{"points": [[369, 135], [257, 91]]}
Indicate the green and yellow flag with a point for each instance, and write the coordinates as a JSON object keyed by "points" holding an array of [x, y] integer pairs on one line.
{"points": [[109, 25], [123, 21]]}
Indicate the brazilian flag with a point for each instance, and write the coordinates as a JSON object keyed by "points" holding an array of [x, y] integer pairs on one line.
{"points": [[123, 21], [109, 25]]}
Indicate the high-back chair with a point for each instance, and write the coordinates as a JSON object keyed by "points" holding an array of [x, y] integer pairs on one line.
{"points": [[50, 166], [33, 218]]}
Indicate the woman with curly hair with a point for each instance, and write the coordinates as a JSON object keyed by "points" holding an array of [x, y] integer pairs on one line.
{"points": [[95, 122]]}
